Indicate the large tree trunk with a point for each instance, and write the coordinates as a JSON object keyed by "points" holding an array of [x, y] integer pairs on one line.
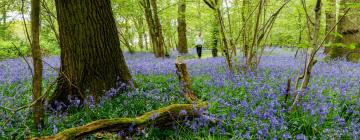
{"points": [[38, 66], [91, 57], [350, 30], [182, 44]]}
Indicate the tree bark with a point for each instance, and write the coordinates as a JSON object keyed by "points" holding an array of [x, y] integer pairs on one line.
{"points": [[38, 66], [182, 43], [154, 26], [141, 33], [160, 49], [91, 57], [215, 36]]}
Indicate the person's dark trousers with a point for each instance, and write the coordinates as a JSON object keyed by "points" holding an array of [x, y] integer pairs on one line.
{"points": [[198, 50]]}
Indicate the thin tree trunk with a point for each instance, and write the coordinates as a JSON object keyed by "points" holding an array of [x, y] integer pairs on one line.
{"points": [[141, 33], [224, 39], [154, 26], [150, 23], [245, 5], [311, 61], [215, 6], [91, 59], [215, 37], [182, 44], [252, 51], [146, 41], [38, 66], [4, 15], [160, 48], [314, 44]]}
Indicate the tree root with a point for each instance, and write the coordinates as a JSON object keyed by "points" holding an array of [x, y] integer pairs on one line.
{"points": [[162, 118]]}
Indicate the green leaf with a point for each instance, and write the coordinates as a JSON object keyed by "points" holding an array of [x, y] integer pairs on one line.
{"points": [[352, 46], [336, 34]]}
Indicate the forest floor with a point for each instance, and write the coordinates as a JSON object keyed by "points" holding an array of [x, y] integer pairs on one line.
{"points": [[250, 104]]}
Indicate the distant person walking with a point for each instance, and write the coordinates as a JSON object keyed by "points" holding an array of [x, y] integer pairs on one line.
{"points": [[199, 42]]}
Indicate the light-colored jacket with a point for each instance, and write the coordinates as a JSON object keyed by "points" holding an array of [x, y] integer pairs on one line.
{"points": [[199, 41]]}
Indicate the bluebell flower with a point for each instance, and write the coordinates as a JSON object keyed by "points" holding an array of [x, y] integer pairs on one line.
{"points": [[286, 135], [301, 137], [182, 112], [55, 129]]}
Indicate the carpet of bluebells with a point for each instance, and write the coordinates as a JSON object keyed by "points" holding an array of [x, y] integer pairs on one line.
{"points": [[250, 105]]}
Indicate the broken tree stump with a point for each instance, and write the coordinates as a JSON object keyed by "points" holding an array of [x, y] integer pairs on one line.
{"points": [[288, 88], [184, 80]]}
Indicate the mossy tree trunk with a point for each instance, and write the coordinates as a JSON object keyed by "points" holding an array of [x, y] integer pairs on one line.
{"points": [[91, 57], [182, 44], [349, 29], [38, 66]]}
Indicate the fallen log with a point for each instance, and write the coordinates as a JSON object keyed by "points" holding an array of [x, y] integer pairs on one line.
{"points": [[159, 118]]}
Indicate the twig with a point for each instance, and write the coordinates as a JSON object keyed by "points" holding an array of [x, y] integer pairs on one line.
{"points": [[24, 22], [244, 24], [306, 12], [14, 111], [22, 56], [67, 78], [50, 17], [332, 29]]}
